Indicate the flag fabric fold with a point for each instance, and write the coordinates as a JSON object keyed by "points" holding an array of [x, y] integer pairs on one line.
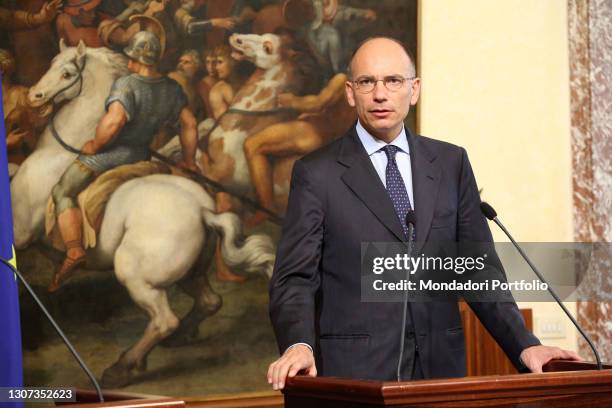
{"points": [[11, 370]]}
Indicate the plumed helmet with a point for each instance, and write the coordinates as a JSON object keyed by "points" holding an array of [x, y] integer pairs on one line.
{"points": [[144, 47]]}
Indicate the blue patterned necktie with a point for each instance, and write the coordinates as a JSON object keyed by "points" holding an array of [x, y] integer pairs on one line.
{"points": [[396, 187]]}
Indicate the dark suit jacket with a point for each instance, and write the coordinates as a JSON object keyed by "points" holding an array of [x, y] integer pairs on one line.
{"points": [[337, 201]]}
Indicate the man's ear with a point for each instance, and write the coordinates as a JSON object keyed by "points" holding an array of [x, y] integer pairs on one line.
{"points": [[350, 93], [416, 91]]}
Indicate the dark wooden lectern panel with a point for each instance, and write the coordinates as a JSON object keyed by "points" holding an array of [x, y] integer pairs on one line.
{"points": [[482, 354]]}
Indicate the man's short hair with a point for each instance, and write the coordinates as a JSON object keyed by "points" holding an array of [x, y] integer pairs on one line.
{"points": [[412, 72], [195, 56]]}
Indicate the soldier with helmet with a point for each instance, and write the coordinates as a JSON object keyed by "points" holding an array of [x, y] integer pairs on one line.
{"points": [[139, 104]]}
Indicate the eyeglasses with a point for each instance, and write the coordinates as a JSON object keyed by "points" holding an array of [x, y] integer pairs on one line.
{"points": [[393, 83]]}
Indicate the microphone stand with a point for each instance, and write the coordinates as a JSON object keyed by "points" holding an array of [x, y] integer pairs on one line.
{"points": [[57, 329], [405, 303], [490, 213]]}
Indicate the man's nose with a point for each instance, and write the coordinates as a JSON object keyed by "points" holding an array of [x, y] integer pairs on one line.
{"points": [[379, 93]]}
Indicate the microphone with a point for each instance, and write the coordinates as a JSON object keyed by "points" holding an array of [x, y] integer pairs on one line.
{"points": [[410, 222], [57, 329], [491, 214]]}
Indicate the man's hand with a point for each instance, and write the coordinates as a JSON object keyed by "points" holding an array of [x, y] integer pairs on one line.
{"points": [[156, 6], [89, 148], [227, 23], [15, 138], [48, 11], [191, 166], [535, 357], [294, 360]]}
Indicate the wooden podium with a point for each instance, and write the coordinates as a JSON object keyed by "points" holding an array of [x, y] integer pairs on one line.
{"points": [[583, 387], [89, 399]]}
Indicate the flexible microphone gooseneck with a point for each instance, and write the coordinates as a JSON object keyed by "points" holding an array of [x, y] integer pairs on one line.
{"points": [[410, 222], [57, 329], [491, 214]]}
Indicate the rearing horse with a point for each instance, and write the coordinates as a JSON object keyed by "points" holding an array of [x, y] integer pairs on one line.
{"points": [[156, 230]]}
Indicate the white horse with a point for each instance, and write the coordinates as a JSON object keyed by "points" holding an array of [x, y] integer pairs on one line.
{"points": [[157, 230]]}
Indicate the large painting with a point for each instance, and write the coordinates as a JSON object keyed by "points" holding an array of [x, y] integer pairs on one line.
{"points": [[157, 269]]}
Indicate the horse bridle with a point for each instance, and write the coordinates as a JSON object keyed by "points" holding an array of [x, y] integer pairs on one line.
{"points": [[79, 79]]}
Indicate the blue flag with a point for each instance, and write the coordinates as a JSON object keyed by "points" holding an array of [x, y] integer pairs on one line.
{"points": [[11, 371]]}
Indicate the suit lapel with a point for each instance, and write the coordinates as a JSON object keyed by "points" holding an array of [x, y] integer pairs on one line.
{"points": [[362, 179], [425, 184]]}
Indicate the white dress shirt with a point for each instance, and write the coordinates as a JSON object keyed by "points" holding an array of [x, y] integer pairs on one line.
{"points": [[378, 157]]}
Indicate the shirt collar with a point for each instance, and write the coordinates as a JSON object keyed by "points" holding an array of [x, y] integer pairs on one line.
{"points": [[372, 144]]}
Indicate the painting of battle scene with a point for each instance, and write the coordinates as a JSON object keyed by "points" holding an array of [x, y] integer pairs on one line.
{"points": [[151, 144]]}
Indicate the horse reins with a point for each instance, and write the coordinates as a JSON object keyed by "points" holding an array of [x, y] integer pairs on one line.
{"points": [[79, 79]]}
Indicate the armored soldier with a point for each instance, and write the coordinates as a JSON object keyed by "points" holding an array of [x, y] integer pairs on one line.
{"points": [[139, 104]]}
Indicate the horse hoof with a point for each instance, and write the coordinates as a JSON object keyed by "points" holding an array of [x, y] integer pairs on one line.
{"points": [[116, 376]]}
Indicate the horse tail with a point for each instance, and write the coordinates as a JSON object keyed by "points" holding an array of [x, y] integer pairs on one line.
{"points": [[255, 253]]}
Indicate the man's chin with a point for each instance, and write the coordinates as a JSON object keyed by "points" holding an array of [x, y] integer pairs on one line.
{"points": [[382, 125], [381, 128]]}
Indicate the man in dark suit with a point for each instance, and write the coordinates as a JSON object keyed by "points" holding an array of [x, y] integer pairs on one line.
{"points": [[359, 189]]}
